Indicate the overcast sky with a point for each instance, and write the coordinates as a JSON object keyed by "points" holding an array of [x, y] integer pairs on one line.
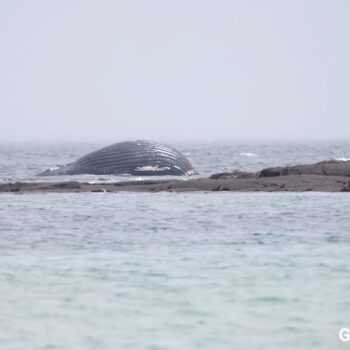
{"points": [[116, 70]]}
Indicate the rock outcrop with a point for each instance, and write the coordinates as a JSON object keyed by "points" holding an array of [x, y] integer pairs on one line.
{"points": [[327, 176]]}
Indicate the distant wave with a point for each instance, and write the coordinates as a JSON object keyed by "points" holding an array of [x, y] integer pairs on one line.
{"points": [[247, 154]]}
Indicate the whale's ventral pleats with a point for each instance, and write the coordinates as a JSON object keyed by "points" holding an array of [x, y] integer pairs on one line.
{"points": [[129, 157]]}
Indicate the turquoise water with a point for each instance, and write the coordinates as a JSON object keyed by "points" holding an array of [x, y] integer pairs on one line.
{"points": [[174, 271]]}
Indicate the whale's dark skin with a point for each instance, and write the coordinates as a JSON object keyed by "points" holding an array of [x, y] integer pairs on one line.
{"points": [[130, 157]]}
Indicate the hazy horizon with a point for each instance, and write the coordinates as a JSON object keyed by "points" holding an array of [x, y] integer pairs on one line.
{"points": [[185, 70]]}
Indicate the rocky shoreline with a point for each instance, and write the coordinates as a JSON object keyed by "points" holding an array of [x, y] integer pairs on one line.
{"points": [[326, 176]]}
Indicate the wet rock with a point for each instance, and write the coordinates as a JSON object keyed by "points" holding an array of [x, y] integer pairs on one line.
{"points": [[327, 176], [236, 174], [67, 185]]}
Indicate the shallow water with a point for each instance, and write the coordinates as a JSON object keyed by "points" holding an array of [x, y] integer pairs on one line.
{"points": [[175, 270]]}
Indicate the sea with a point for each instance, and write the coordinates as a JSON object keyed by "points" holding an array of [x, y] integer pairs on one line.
{"points": [[156, 271]]}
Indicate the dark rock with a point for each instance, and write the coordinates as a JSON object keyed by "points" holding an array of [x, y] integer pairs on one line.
{"points": [[327, 168]]}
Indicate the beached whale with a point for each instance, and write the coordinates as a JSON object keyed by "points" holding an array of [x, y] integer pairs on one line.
{"points": [[130, 157]]}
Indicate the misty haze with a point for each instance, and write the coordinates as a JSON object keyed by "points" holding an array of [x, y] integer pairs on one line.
{"points": [[181, 70]]}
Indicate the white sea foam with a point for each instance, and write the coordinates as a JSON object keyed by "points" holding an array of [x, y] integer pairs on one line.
{"points": [[151, 168], [343, 159]]}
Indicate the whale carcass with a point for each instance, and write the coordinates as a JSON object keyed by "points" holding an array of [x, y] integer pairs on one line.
{"points": [[129, 157]]}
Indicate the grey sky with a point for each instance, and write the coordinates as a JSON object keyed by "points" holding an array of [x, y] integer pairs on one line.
{"points": [[163, 70]]}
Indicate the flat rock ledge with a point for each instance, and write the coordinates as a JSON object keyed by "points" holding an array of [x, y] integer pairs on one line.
{"points": [[327, 176]]}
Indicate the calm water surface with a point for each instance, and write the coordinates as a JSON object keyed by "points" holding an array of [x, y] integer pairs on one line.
{"points": [[174, 271]]}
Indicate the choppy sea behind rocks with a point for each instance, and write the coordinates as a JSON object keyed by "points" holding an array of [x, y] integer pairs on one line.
{"points": [[174, 270]]}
